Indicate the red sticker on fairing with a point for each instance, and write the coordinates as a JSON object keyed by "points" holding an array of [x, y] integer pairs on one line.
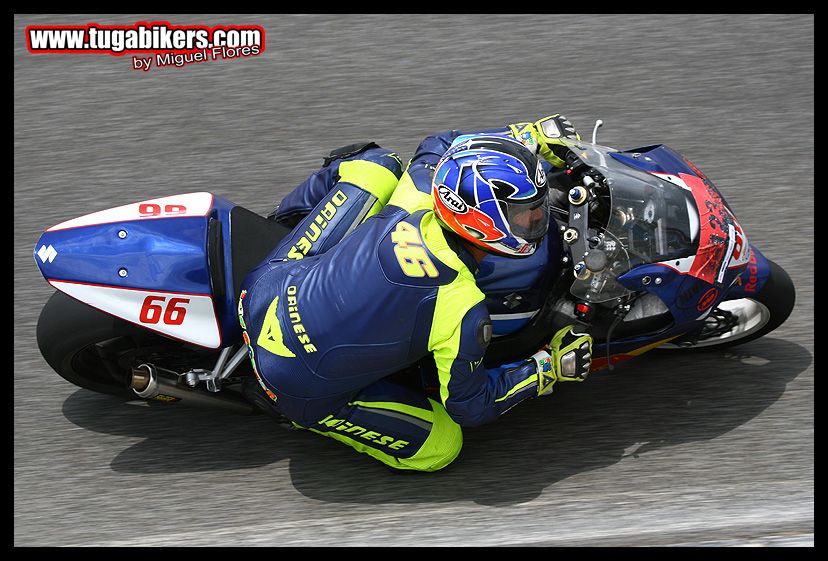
{"points": [[695, 169], [720, 239]]}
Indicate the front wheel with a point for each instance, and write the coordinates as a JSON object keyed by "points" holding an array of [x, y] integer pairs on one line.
{"points": [[738, 321]]}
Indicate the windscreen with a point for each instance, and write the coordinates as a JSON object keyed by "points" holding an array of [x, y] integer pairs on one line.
{"points": [[644, 219]]}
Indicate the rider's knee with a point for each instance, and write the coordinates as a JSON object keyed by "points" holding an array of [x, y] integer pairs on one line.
{"points": [[441, 447]]}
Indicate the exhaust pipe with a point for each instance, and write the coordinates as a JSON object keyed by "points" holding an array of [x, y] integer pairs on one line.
{"points": [[151, 382]]}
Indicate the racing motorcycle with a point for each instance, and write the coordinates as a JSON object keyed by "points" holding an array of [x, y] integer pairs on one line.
{"points": [[644, 252]]}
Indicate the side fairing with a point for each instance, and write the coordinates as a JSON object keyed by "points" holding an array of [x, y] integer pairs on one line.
{"points": [[185, 316], [751, 280], [690, 298]]}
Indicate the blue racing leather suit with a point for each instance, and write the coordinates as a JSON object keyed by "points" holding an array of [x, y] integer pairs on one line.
{"points": [[335, 309]]}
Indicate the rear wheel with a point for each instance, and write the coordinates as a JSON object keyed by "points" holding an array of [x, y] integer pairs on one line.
{"points": [[96, 351], [738, 321]]}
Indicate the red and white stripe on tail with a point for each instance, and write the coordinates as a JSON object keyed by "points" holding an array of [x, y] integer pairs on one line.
{"points": [[188, 317], [189, 204]]}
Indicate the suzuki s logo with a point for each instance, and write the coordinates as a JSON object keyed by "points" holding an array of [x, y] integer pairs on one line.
{"points": [[47, 253], [452, 200]]}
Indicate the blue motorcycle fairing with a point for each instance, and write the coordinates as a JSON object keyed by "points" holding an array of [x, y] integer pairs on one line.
{"points": [[163, 254], [166, 255], [752, 278], [689, 299]]}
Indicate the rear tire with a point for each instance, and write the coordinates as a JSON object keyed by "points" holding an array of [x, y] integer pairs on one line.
{"points": [[96, 351]]}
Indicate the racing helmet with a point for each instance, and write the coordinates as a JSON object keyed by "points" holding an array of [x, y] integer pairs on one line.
{"points": [[491, 190]]}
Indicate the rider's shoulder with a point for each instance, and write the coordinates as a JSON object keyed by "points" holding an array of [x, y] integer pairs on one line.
{"points": [[415, 251]]}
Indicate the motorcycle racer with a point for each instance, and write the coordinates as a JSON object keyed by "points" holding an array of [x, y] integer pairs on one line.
{"points": [[336, 309]]}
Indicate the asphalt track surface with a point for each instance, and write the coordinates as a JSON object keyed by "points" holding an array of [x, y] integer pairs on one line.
{"points": [[711, 450]]}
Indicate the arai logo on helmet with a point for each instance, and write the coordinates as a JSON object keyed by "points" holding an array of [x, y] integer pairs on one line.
{"points": [[452, 200]]}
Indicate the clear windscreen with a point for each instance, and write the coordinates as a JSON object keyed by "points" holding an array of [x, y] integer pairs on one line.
{"points": [[642, 219]]}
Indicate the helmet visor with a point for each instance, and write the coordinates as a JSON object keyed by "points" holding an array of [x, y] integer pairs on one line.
{"points": [[528, 220]]}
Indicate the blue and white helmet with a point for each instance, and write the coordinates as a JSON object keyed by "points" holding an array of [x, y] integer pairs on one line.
{"points": [[491, 190]]}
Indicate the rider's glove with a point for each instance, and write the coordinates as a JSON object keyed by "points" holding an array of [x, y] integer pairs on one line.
{"points": [[568, 359], [544, 137]]}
